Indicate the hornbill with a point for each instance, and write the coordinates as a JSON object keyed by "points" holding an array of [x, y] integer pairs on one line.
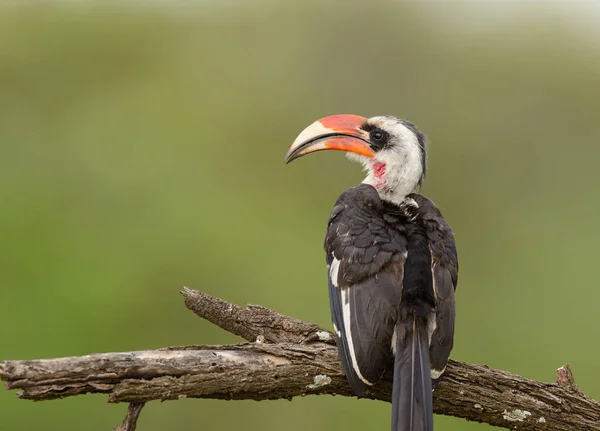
{"points": [[392, 264]]}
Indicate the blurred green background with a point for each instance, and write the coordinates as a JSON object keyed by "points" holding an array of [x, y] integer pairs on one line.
{"points": [[141, 149]]}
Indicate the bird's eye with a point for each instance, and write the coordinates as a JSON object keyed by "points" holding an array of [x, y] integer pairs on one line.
{"points": [[378, 137]]}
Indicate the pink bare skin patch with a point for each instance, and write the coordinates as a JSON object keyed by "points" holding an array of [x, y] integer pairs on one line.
{"points": [[379, 171]]}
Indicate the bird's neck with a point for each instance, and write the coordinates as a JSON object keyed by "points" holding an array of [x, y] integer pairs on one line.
{"points": [[392, 184]]}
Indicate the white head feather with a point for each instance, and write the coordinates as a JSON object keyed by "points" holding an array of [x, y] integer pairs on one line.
{"points": [[399, 167]]}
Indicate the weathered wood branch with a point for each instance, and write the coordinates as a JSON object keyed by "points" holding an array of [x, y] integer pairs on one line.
{"points": [[284, 359], [130, 421]]}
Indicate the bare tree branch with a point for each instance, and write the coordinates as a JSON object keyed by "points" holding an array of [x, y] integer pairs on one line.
{"points": [[130, 421], [290, 358], [253, 322]]}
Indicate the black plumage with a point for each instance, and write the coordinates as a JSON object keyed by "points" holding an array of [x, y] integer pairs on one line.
{"points": [[392, 275]]}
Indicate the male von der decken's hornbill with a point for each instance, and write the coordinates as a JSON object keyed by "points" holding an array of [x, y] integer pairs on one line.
{"points": [[392, 264]]}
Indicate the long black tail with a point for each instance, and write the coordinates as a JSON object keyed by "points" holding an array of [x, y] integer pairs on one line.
{"points": [[412, 408]]}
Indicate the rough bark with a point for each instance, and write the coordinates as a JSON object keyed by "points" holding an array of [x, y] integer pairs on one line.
{"points": [[130, 421], [289, 358]]}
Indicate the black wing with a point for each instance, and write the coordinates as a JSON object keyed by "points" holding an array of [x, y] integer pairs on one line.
{"points": [[365, 257], [444, 267]]}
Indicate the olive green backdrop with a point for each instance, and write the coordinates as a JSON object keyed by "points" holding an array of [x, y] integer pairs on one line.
{"points": [[141, 149]]}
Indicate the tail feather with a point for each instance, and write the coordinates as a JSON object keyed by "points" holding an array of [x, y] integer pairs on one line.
{"points": [[412, 407]]}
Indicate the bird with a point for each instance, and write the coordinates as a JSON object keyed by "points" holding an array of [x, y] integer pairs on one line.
{"points": [[392, 264]]}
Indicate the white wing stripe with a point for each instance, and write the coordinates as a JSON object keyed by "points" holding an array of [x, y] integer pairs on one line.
{"points": [[333, 271], [435, 374], [346, 314]]}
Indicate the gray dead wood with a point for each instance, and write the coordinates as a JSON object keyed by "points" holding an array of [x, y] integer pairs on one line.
{"points": [[286, 358]]}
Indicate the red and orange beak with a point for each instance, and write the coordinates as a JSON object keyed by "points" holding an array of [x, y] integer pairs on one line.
{"points": [[336, 132]]}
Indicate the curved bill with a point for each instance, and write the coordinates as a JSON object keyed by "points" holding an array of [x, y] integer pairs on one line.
{"points": [[336, 132]]}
